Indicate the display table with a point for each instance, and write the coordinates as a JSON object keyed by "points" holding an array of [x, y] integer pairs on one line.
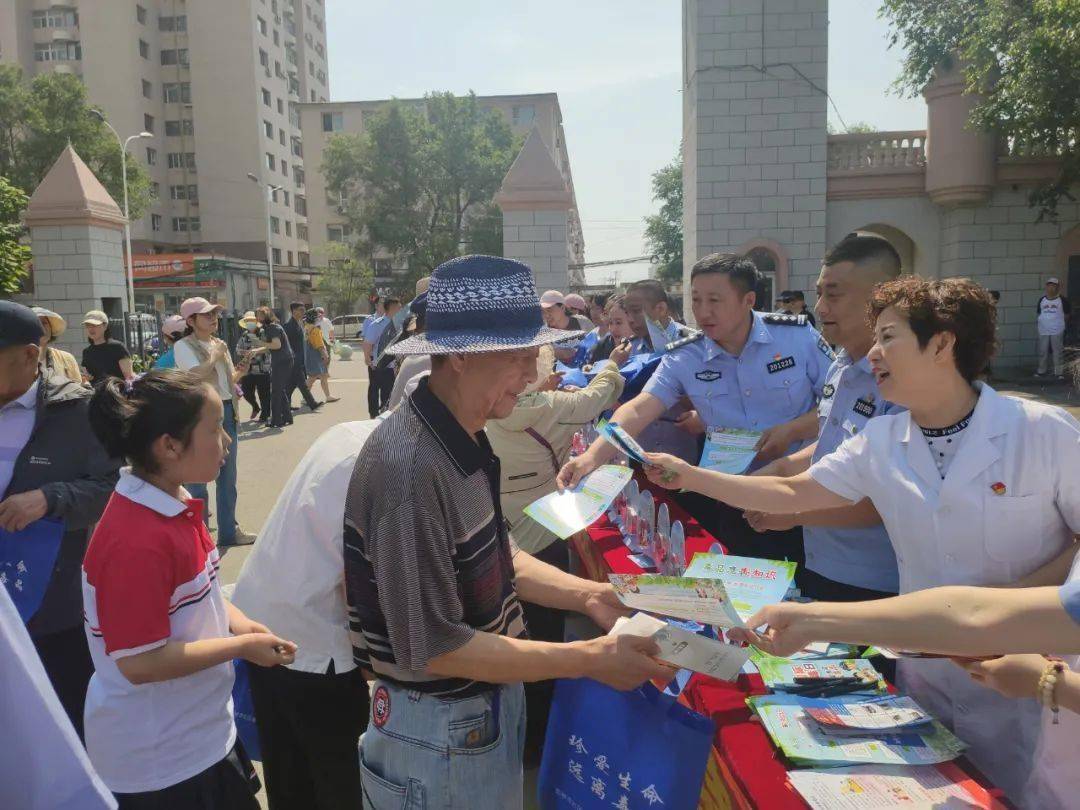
{"points": [[748, 771]]}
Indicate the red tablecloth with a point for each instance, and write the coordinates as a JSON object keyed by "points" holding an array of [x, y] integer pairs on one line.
{"points": [[751, 767]]}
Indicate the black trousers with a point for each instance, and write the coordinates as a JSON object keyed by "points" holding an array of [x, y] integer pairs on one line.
{"points": [[309, 730], [67, 662], [230, 784], [380, 386], [728, 526], [250, 384], [281, 373], [544, 624], [298, 379]]}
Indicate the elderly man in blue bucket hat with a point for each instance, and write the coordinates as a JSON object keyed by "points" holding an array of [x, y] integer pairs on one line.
{"points": [[433, 579]]}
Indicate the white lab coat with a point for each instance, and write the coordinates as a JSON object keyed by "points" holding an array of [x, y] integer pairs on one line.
{"points": [[960, 531]]}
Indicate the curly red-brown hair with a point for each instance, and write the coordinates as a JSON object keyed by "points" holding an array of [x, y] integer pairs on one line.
{"points": [[931, 306]]}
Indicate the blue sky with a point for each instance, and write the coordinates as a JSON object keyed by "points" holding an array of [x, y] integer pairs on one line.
{"points": [[615, 65]]}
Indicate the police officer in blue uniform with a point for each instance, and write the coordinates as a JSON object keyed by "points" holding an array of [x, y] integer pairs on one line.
{"points": [[849, 556], [743, 370]]}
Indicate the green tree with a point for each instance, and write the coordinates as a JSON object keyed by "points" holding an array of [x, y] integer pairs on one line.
{"points": [[13, 254], [1023, 56], [419, 183], [344, 281], [664, 230], [38, 119]]}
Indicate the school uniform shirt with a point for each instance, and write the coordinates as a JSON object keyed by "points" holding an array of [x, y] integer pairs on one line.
{"points": [[862, 556], [1055, 782], [294, 579], [778, 376], [150, 576], [1008, 504]]}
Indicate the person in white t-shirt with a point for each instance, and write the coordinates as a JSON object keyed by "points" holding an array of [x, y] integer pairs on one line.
{"points": [[327, 329], [1053, 312]]}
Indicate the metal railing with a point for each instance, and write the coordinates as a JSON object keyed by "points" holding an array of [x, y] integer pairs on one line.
{"points": [[874, 151]]}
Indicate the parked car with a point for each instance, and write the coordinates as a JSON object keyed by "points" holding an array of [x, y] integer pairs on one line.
{"points": [[349, 327]]}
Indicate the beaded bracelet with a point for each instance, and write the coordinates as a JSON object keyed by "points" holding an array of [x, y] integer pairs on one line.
{"points": [[1048, 681]]}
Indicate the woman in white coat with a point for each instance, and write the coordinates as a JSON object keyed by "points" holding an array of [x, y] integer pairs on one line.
{"points": [[973, 487]]}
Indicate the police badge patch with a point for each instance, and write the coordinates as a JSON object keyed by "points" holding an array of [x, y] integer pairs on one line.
{"points": [[708, 375], [828, 391]]}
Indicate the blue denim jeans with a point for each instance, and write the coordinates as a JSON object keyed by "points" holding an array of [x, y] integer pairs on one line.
{"points": [[427, 753], [226, 485]]}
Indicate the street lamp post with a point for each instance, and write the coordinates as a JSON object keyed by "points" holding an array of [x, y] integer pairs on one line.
{"points": [[127, 219], [270, 189]]}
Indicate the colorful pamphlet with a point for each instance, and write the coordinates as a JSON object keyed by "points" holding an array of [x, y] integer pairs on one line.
{"points": [[891, 715], [572, 510], [883, 787], [615, 435], [729, 450], [697, 600], [684, 649], [805, 744], [751, 583], [783, 675]]}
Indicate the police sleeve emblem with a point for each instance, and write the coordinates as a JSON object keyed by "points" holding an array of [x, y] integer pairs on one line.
{"points": [[825, 348]]}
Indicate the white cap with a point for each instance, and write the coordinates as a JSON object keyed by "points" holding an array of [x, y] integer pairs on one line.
{"points": [[1053, 280], [551, 298]]}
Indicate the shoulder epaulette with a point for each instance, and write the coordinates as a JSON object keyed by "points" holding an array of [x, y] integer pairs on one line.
{"points": [[686, 341], [783, 319]]}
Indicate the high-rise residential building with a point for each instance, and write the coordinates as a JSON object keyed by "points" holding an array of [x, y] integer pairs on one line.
{"points": [[321, 121], [218, 84]]}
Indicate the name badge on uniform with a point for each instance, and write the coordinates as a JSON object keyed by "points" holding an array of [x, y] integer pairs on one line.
{"points": [[780, 363], [709, 375], [864, 407]]}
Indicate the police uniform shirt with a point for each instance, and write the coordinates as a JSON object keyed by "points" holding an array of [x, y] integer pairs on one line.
{"points": [[778, 376], [862, 556]]}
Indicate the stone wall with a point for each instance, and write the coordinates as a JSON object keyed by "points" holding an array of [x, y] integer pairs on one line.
{"points": [[538, 238]]}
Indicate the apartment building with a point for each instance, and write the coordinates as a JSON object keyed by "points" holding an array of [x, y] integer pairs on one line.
{"points": [[217, 84], [320, 121]]}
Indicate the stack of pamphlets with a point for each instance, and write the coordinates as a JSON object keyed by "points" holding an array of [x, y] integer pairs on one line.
{"points": [[782, 675], [802, 741], [882, 787], [887, 715]]}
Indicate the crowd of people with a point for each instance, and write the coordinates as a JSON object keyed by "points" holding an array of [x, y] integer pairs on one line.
{"points": [[398, 602]]}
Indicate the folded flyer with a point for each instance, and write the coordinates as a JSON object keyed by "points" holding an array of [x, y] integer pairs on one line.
{"points": [[729, 450], [568, 512], [805, 744], [684, 649], [817, 651], [696, 600], [894, 714], [751, 583], [779, 673], [883, 787], [615, 435]]}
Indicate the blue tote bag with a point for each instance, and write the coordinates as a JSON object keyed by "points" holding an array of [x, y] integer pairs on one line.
{"points": [[27, 559], [244, 710], [637, 749]]}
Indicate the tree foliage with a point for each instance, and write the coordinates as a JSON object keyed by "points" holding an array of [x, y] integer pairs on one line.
{"points": [[419, 182], [664, 230], [13, 254], [1022, 55], [345, 281], [38, 119]]}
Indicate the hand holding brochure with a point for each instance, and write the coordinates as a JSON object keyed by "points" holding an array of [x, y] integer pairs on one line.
{"points": [[696, 600], [684, 649], [568, 512], [751, 583], [729, 450]]}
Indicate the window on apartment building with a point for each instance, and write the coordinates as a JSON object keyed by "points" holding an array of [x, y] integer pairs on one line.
{"points": [[177, 92], [175, 56], [273, 6], [186, 224], [184, 192], [319, 50], [277, 39], [155, 222], [268, 129], [275, 225], [310, 68], [266, 97], [301, 205], [182, 127], [147, 89], [140, 14], [151, 156], [332, 122], [181, 160], [280, 107], [303, 259], [298, 176], [177, 23], [288, 227], [381, 266], [285, 198], [270, 162], [277, 70], [273, 195], [297, 147], [285, 168], [275, 255], [301, 231], [312, 96], [148, 122], [288, 257], [56, 17], [334, 233], [58, 51], [281, 137], [307, 10], [144, 49], [261, 23], [155, 189], [523, 115]]}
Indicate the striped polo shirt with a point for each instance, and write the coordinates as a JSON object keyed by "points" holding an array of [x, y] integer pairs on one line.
{"points": [[428, 558]]}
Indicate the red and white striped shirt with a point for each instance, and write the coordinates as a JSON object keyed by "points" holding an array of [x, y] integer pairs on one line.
{"points": [[150, 577]]}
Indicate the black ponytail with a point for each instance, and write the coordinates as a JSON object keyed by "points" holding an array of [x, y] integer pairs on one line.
{"points": [[128, 417]]}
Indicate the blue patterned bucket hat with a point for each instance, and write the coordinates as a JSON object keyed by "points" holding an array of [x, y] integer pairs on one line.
{"points": [[481, 304]]}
